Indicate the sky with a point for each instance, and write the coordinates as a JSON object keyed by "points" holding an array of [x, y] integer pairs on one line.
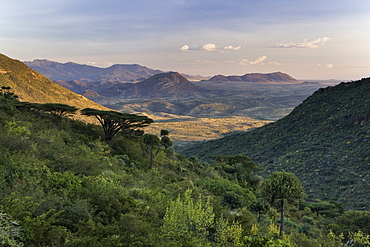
{"points": [[316, 39]]}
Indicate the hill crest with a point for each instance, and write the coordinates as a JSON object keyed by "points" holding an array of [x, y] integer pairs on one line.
{"points": [[170, 84], [73, 71], [276, 77]]}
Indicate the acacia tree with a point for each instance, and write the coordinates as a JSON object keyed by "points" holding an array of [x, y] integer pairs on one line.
{"points": [[113, 122], [58, 110], [283, 186], [6, 93]]}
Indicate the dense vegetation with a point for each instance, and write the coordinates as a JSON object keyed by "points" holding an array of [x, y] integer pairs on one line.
{"points": [[62, 185], [325, 141]]}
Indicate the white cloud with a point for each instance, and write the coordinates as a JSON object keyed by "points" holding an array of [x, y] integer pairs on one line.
{"points": [[257, 61], [184, 48], [230, 47], [206, 47], [209, 47], [304, 44]]}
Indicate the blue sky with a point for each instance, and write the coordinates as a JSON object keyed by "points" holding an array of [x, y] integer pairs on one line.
{"points": [[316, 39]]}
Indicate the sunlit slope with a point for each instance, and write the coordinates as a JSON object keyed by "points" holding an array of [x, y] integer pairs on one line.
{"points": [[31, 86]]}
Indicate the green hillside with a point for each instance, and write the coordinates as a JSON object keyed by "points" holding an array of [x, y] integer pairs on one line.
{"points": [[325, 141], [31, 86]]}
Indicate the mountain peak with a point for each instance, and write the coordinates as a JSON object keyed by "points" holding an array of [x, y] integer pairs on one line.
{"points": [[168, 84]]}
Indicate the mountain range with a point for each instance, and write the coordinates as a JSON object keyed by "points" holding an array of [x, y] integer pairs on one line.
{"points": [[325, 141], [86, 73]]}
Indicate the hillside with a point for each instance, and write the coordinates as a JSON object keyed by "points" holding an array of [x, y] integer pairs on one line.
{"points": [[31, 86], [73, 71], [325, 141], [276, 77]]}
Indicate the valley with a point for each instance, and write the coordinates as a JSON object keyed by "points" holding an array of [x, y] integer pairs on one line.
{"points": [[231, 108]]}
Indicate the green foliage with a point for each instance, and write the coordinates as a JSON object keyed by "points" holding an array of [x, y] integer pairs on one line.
{"points": [[233, 195], [187, 221], [282, 186], [11, 234], [64, 186]]}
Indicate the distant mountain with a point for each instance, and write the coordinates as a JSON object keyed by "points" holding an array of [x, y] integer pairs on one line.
{"points": [[325, 141], [276, 77], [170, 84], [86, 73], [31, 86]]}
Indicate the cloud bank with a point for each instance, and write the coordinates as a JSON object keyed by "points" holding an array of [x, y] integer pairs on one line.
{"points": [[209, 47], [304, 44]]}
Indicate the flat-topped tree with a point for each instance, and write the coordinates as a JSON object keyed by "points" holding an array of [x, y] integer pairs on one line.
{"points": [[113, 122], [58, 110]]}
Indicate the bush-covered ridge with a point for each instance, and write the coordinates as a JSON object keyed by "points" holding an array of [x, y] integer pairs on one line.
{"points": [[325, 141], [61, 185]]}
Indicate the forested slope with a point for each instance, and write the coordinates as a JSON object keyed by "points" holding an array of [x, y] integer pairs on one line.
{"points": [[325, 141]]}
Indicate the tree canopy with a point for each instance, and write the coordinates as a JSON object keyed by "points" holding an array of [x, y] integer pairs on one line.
{"points": [[59, 110], [282, 186], [113, 122]]}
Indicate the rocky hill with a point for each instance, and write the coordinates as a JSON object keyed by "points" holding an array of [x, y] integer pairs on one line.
{"points": [[325, 141], [276, 77], [31, 86], [73, 71], [171, 84]]}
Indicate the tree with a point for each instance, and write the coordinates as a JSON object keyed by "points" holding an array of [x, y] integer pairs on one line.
{"points": [[152, 141], [6, 93], [113, 122], [165, 140], [27, 106], [59, 110], [282, 186]]}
